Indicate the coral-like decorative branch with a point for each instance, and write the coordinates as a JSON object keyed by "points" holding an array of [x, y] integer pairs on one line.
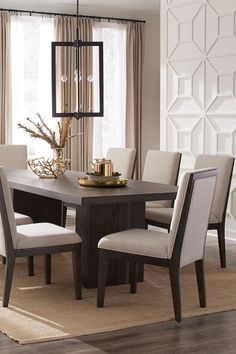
{"points": [[40, 130]]}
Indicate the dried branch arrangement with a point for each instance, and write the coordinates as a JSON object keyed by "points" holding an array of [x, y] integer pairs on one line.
{"points": [[40, 130]]}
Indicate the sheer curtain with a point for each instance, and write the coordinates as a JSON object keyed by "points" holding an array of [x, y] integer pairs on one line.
{"points": [[80, 147], [5, 81], [31, 39], [110, 129], [135, 33]]}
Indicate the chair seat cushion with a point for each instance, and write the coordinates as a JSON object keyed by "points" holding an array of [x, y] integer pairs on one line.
{"points": [[22, 219], [157, 204], [44, 235], [161, 215], [137, 241], [164, 215], [213, 219]]}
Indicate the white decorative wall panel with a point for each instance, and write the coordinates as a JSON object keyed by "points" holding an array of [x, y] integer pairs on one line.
{"points": [[198, 82]]}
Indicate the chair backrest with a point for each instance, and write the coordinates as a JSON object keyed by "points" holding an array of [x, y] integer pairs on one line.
{"points": [[191, 215], [13, 156], [123, 160], [7, 220], [224, 164], [162, 167]]}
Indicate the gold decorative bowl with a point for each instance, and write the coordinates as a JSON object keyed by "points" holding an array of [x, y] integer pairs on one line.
{"points": [[103, 182], [48, 168]]}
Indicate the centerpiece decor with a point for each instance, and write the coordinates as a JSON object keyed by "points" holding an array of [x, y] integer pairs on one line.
{"points": [[49, 167]]}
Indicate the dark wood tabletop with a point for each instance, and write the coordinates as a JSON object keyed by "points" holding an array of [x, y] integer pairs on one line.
{"points": [[67, 189]]}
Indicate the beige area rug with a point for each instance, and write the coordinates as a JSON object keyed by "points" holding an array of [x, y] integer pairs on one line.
{"points": [[39, 312]]}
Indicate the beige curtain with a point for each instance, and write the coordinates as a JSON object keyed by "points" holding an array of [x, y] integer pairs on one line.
{"points": [[79, 148], [5, 79], [134, 89]]}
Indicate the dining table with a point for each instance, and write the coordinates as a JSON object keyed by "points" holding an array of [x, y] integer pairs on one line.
{"points": [[99, 212]]}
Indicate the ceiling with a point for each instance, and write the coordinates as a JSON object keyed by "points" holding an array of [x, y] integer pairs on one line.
{"points": [[146, 6]]}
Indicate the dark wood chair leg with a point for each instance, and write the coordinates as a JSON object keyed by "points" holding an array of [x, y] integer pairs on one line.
{"points": [[9, 269], [102, 277], [221, 242], [175, 289], [133, 276], [47, 268], [30, 265], [76, 261], [199, 267]]}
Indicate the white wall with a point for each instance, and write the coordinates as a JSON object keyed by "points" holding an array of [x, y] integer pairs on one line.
{"points": [[198, 82], [151, 81]]}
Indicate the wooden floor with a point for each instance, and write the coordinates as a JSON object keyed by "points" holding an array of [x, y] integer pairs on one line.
{"points": [[210, 334]]}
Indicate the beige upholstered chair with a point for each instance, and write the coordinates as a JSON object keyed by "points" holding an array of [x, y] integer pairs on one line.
{"points": [[123, 160], [33, 239], [183, 245], [161, 167], [15, 157], [162, 217]]}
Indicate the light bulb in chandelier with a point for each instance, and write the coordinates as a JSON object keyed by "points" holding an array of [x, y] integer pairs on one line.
{"points": [[90, 78], [64, 78], [76, 75]]}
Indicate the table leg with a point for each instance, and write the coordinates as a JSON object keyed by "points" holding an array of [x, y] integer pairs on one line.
{"points": [[96, 221]]}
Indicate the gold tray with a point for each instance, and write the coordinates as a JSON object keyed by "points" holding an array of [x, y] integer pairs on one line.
{"points": [[87, 182]]}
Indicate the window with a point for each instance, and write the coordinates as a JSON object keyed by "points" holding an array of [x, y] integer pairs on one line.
{"points": [[31, 39], [110, 129]]}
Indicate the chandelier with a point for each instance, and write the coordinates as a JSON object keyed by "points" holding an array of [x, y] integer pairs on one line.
{"points": [[77, 85]]}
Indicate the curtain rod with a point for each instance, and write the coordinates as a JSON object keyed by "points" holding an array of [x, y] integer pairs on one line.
{"points": [[61, 14]]}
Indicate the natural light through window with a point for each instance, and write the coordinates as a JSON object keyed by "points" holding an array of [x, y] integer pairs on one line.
{"points": [[31, 39]]}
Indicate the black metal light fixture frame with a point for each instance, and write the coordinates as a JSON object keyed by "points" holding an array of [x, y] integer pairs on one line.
{"points": [[77, 44]]}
